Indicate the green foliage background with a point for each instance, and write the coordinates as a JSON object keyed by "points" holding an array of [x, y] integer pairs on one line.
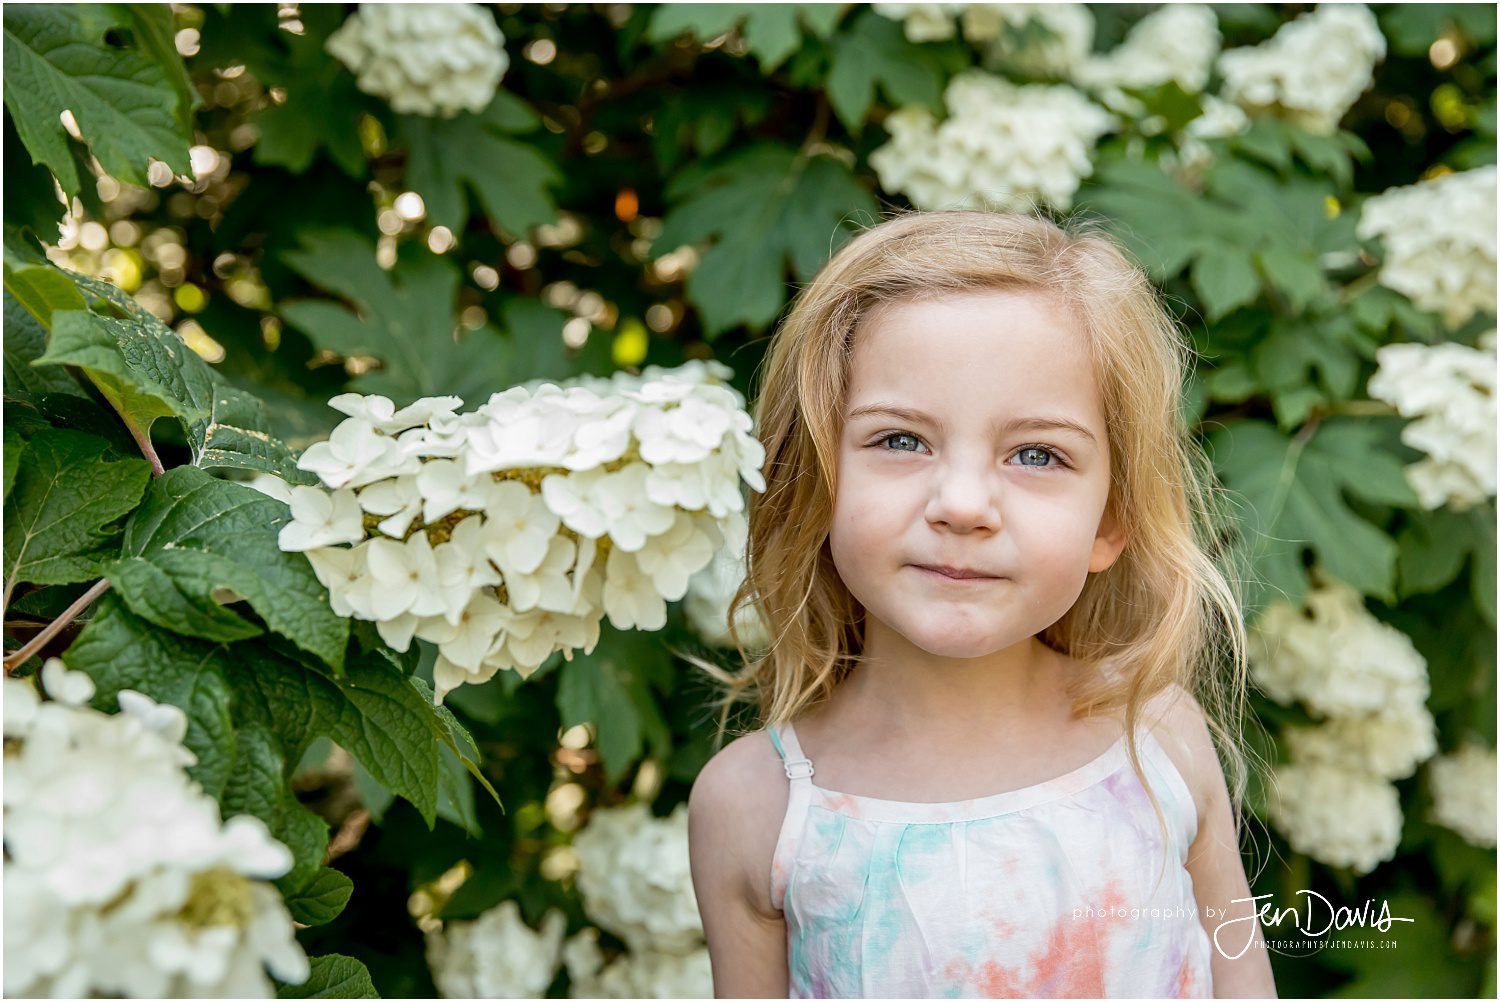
{"points": [[621, 134]]}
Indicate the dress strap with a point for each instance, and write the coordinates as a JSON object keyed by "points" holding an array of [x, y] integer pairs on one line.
{"points": [[797, 765]]}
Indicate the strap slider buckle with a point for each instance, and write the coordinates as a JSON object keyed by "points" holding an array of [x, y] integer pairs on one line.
{"points": [[793, 770]]}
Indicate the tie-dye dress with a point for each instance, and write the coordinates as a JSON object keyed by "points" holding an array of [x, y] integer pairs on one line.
{"points": [[1054, 890]]}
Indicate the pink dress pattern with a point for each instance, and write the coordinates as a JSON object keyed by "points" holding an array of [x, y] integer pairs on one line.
{"points": [[1057, 890]]}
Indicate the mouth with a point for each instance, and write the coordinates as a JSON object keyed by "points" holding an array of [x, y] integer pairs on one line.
{"points": [[954, 574]]}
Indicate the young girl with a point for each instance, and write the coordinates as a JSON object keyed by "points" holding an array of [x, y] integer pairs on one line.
{"points": [[986, 553]]}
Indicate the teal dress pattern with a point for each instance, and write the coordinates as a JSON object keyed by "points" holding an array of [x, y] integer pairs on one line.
{"points": [[1058, 890]]}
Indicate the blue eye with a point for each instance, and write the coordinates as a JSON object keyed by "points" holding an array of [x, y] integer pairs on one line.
{"points": [[881, 443], [898, 434], [1044, 451]]}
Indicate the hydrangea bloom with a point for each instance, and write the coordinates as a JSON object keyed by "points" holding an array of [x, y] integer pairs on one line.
{"points": [[497, 955], [707, 604], [506, 534], [1463, 793], [426, 59], [1178, 42], [923, 22], [1450, 390], [1388, 744], [120, 879], [635, 880], [1010, 29], [1002, 145], [1340, 817], [1335, 800], [1337, 658], [1312, 70], [1439, 241], [645, 975]]}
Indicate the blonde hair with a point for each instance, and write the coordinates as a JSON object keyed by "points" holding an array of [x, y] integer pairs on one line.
{"points": [[1163, 614]]}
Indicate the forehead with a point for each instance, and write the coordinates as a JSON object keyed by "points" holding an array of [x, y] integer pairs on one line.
{"points": [[997, 352]]}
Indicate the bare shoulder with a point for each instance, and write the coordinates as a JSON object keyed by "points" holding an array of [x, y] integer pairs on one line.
{"points": [[735, 811], [1177, 720]]}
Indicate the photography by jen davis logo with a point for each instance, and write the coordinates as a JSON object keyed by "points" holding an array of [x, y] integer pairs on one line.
{"points": [[1309, 924]]}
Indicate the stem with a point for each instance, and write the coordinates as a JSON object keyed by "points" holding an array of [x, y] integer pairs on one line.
{"points": [[142, 438], [55, 627]]}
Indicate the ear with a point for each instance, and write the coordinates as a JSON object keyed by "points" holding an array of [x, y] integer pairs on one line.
{"points": [[1109, 543]]}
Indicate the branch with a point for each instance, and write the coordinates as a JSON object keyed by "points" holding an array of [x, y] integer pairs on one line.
{"points": [[55, 627]]}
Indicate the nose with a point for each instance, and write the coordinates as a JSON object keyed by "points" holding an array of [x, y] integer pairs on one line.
{"points": [[964, 496]]}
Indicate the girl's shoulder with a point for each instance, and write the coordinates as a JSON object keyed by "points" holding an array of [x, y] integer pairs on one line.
{"points": [[1176, 719], [735, 813]]}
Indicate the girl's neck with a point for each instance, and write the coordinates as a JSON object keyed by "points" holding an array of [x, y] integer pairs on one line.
{"points": [[901, 690]]}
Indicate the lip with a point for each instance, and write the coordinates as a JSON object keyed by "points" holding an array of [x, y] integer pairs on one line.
{"points": [[953, 573]]}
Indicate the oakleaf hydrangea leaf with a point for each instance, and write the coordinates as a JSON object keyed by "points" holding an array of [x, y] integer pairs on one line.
{"points": [[765, 208], [121, 651], [1296, 493], [61, 506], [194, 534], [57, 59], [404, 317], [146, 371]]}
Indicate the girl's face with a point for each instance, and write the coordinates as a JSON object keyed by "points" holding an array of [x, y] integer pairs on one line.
{"points": [[940, 463]]}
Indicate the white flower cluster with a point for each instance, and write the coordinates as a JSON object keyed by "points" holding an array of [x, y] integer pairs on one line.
{"points": [[1439, 240], [1312, 70], [1450, 390], [426, 59], [652, 974], [635, 880], [923, 22], [1463, 793], [1000, 146], [1178, 42], [497, 955], [707, 604], [1339, 817], [1008, 29], [120, 879], [506, 534], [1334, 800]]}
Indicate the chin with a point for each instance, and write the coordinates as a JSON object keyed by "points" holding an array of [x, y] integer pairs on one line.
{"points": [[957, 641]]}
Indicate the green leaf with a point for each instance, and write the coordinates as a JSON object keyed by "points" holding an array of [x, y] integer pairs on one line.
{"points": [[334, 976], [259, 785], [1294, 272], [1295, 493], [611, 689], [322, 899], [1433, 548], [156, 33], [146, 371], [42, 290], [195, 533], [57, 58], [323, 103], [121, 651], [1224, 279], [510, 176], [1161, 223], [454, 738], [14, 446], [875, 52], [403, 317], [703, 121], [772, 31], [374, 712], [60, 511], [138, 384], [765, 208]]}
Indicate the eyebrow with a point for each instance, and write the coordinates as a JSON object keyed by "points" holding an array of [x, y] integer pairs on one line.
{"points": [[1037, 423]]}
